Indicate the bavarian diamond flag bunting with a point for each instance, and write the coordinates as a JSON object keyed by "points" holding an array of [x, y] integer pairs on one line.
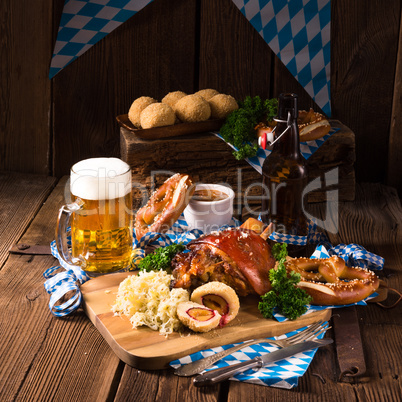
{"points": [[84, 23], [298, 32]]}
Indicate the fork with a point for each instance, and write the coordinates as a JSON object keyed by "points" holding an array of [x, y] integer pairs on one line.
{"points": [[196, 367], [309, 333]]}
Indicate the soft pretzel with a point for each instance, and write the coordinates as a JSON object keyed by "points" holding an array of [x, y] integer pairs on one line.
{"points": [[165, 205], [322, 279], [312, 125]]}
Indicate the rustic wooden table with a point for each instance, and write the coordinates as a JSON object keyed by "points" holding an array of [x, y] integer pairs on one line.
{"points": [[48, 358]]}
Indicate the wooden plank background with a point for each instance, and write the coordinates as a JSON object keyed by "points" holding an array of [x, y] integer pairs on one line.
{"points": [[47, 125]]}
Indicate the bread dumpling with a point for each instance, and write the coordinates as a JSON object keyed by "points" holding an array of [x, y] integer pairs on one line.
{"points": [[208, 93], [220, 297], [198, 317], [192, 109], [222, 105], [157, 115], [172, 97], [137, 107]]}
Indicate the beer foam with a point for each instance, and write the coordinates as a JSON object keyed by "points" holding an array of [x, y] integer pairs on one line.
{"points": [[100, 179]]}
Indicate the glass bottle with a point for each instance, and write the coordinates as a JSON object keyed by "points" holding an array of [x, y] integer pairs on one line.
{"points": [[285, 175]]}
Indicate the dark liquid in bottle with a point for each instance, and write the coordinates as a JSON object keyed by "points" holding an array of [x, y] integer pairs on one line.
{"points": [[285, 178], [285, 207]]}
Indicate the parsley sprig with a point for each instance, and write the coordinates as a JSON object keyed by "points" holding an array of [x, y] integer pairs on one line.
{"points": [[290, 300], [161, 258], [238, 128]]}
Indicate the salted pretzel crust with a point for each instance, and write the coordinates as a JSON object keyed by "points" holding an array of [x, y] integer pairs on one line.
{"points": [[329, 281]]}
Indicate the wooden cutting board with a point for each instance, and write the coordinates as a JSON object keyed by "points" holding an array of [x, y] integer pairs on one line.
{"points": [[146, 349]]}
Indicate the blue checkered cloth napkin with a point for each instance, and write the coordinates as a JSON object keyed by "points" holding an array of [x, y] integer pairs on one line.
{"points": [[84, 23], [60, 282], [307, 149], [281, 374], [354, 253]]}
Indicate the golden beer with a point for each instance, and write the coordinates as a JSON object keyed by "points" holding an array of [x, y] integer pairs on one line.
{"points": [[101, 234], [100, 217]]}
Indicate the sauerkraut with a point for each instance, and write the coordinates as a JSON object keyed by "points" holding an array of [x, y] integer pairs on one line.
{"points": [[147, 300]]}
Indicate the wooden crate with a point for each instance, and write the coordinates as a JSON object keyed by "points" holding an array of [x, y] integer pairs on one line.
{"points": [[208, 159]]}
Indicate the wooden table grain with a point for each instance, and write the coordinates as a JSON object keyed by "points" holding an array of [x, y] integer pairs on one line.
{"points": [[66, 359]]}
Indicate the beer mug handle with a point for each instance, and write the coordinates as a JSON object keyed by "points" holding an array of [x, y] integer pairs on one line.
{"points": [[63, 221]]}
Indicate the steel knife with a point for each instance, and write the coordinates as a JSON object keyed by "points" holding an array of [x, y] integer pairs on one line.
{"points": [[200, 365], [214, 376]]}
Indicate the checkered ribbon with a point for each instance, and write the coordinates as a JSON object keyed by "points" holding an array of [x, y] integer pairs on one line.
{"points": [[299, 33], [59, 284], [281, 374], [353, 254], [289, 239], [84, 23]]}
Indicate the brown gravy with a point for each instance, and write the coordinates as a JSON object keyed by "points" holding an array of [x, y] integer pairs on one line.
{"points": [[208, 195]]}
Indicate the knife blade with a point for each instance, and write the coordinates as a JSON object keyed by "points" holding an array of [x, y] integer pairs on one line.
{"points": [[196, 367], [215, 376]]}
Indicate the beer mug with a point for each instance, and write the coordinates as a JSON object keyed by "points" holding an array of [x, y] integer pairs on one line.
{"points": [[99, 215]]}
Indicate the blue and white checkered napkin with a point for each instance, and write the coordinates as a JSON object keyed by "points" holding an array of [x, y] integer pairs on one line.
{"points": [[313, 236], [178, 233], [354, 255], [299, 33], [84, 23], [59, 283], [307, 149], [281, 374]]}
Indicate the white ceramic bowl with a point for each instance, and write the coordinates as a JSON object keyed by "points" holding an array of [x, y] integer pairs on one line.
{"points": [[210, 215]]}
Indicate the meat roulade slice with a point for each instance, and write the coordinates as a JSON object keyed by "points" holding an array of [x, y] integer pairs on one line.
{"points": [[219, 297], [198, 317]]}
